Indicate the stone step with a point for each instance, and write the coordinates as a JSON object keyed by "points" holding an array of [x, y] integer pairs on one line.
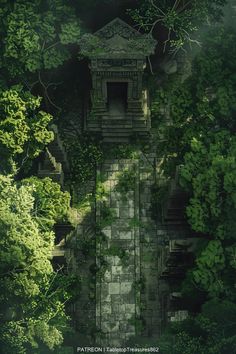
{"points": [[139, 123], [117, 127], [114, 139], [116, 134], [116, 121], [93, 125], [58, 252]]}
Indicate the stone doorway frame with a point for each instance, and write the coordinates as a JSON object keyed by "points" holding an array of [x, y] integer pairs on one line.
{"points": [[117, 80]]}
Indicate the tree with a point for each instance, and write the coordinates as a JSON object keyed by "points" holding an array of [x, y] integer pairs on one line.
{"points": [[180, 18], [201, 138], [23, 127], [50, 204], [212, 331], [203, 103], [37, 35], [32, 303]]}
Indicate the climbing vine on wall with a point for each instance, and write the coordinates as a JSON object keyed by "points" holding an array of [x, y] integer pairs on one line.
{"points": [[84, 154]]}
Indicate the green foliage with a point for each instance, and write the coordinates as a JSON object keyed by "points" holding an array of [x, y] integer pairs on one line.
{"points": [[50, 203], [84, 154], [91, 45], [209, 172], [213, 331], [36, 34], [126, 181], [180, 18], [210, 264], [107, 216], [135, 223], [202, 103], [102, 191], [119, 151], [32, 300], [201, 138], [212, 183], [23, 126]]}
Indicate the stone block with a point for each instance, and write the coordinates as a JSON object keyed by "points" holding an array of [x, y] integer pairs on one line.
{"points": [[125, 288], [126, 278], [125, 235], [130, 203], [115, 212], [161, 232], [114, 203], [114, 288], [110, 326], [143, 212], [128, 315], [124, 213], [122, 308], [118, 316], [115, 299], [107, 232], [116, 278], [111, 175], [115, 307], [116, 196], [130, 195], [104, 290], [116, 270], [115, 167], [130, 308], [106, 308], [109, 259], [128, 298], [107, 167], [131, 212], [116, 261], [126, 327], [108, 276]]}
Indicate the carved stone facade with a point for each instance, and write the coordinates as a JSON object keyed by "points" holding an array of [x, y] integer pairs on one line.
{"points": [[119, 103]]}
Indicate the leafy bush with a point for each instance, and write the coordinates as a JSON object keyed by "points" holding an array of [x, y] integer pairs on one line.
{"points": [[23, 126], [36, 34]]}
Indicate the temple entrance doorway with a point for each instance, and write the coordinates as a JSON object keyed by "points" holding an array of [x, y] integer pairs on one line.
{"points": [[117, 95]]}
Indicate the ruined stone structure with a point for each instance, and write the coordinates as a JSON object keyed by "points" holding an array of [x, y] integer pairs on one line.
{"points": [[128, 289], [119, 102], [135, 253], [54, 162]]}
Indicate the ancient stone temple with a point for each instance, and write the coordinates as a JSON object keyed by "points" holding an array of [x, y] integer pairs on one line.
{"points": [[119, 101]]}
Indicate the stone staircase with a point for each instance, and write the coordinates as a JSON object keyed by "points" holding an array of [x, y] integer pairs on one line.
{"points": [[176, 201], [49, 167], [120, 129], [54, 162], [57, 149]]}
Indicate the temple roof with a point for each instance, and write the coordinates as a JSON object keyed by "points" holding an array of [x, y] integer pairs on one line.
{"points": [[117, 27], [117, 39]]}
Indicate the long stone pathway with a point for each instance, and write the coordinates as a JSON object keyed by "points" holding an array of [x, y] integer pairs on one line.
{"points": [[117, 214], [127, 304]]}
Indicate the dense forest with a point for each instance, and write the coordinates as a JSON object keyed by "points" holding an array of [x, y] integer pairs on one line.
{"points": [[45, 81]]}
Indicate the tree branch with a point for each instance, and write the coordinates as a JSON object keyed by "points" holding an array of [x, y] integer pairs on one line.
{"points": [[46, 93], [167, 40], [157, 8]]}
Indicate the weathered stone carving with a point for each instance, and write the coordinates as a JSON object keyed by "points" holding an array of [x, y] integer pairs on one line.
{"points": [[117, 26]]}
